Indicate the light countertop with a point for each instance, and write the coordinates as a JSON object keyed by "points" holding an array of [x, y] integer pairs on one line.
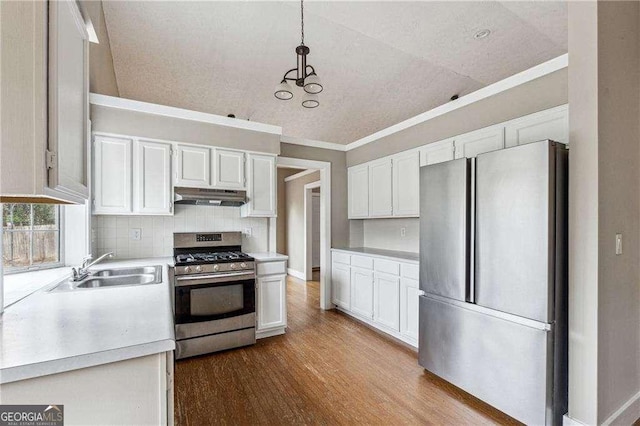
{"points": [[53, 332], [404, 256], [268, 256]]}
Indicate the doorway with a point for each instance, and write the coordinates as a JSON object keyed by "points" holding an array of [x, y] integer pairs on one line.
{"points": [[292, 229]]}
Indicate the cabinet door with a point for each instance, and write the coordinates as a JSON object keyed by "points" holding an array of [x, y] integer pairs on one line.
{"points": [[152, 192], [380, 188], [387, 301], [358, 192], [261, 187], [406, 184], [229, 169], [68, 99], [362, 292], [341, 285], [549, 124], [437, 152], [480, 141], [272, 302], [112, 172], [409, 301], [193, 168]]}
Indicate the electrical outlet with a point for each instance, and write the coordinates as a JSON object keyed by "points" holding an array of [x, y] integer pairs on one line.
{"points": [[136, 234], [248, 232], [618, 243], [403, 232]]}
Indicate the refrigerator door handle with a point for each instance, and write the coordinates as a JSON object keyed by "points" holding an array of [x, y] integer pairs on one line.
{"points": [[471, 296]]}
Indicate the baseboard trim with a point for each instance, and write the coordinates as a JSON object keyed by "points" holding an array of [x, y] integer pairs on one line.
{"points": [[627, 414], [270, 333], [568, 421], [297, 274]]}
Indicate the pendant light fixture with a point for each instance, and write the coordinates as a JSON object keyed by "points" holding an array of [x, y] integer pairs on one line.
{"points": [[305, 74]]}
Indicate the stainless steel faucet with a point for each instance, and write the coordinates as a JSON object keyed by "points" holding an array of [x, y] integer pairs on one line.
{"points": [[82, 272]]}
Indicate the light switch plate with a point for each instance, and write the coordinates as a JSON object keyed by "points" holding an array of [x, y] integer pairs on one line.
{"points": [[403, 232], [618, 243], [136, 234], [247, 232]]}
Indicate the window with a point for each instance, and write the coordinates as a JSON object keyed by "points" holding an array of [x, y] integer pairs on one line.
{"points": [[30, 236]]}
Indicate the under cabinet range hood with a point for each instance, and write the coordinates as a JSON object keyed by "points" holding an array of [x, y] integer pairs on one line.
{"points": [[209, 197]]}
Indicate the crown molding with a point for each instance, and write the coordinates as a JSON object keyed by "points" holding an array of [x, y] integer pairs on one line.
{"points": [[185, 114], [313, 143], [515, 80]]}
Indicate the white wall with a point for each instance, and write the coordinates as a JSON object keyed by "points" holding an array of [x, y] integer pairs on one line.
{"points": [[113, 232], [385, 234]]}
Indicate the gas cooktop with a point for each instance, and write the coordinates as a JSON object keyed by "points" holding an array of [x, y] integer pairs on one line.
{"points": [[211, 257]]}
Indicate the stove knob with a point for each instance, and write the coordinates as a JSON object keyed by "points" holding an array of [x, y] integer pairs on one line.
{"points": [[198, 268], [187, 269], [215, 268], [243, 265], [232, 266]]}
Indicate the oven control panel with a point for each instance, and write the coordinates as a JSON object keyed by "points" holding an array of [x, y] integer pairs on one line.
{"points": [[209, 268], [204, 238]]}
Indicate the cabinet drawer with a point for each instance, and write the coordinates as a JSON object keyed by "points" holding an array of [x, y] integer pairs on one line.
{"points": [[410, 271], [272, 268], [362, 262], [387, 266], [341, 258]]}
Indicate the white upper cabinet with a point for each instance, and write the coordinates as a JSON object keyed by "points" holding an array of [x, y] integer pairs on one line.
{"points": [[362, 292], [228, 169], [152, 176], [387, 300], [112, 175], [44, 103], [261, 188], [549, 124], [358, 190], [193, 166], [380, 188], [471, 144], [406, 184], [68, 99], [437, 152]]}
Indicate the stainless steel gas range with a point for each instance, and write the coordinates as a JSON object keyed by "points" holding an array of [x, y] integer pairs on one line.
{"points": [[214, 293]]}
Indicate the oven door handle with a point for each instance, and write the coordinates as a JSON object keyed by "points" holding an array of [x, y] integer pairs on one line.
{"points": [[212, 278]]}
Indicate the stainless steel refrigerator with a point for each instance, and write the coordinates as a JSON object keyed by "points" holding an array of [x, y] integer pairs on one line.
{"points": [[493, 269]]}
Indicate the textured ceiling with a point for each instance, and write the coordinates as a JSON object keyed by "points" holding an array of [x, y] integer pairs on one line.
{"points": [[380, 62]]}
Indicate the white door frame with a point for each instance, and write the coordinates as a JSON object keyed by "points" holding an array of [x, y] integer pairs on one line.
{"points": [[308, 228], [325, 221]]}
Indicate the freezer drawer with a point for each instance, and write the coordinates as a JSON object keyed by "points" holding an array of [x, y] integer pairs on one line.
{"points": [[515, 241], [506, 364], [444, 229]]}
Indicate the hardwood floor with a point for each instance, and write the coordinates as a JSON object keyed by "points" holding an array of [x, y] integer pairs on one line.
{"points": [[327, 369]]}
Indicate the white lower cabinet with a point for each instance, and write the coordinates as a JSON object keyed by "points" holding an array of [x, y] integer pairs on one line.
{"points": [[380, 291], [341, 285], [409, 302], [362, 292], [271, 299], [386, 295]]}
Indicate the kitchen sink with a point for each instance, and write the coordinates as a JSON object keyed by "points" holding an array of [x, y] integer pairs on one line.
{"points": [[142, 270], [114, 277]]}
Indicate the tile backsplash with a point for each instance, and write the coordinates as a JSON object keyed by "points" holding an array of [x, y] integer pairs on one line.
{"points": [[115, 233]]}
